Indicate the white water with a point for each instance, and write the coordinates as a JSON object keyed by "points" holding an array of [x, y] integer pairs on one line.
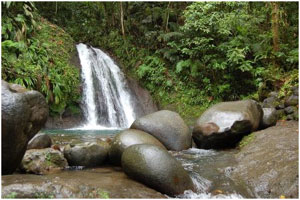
{"points": [[106, 99]]}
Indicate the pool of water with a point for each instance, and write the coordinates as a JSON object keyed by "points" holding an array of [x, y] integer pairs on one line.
{"points": [[74, 136]]}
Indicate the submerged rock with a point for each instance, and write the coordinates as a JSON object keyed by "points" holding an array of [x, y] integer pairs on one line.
{"points": [[224, 124], [104, 182], [156, 168], [268, 165], [43, 161], [127, 138], [86, 154], [168, 127], [40, 141], [269, 117], [23, 115]]}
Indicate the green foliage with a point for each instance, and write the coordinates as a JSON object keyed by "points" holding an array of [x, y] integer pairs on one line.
{"points": [[11, 195], [35, 54], [246, 140], [291, 80], [188, 54], [100, 194]]}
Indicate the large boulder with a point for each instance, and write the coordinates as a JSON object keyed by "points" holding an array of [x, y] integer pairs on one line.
{"points": [[43, 161], [269, 117], [269, 164], [127, 138], [23, 115], [40, 141], [224, 124], [86, 154], [156, 168], [168, 127]]}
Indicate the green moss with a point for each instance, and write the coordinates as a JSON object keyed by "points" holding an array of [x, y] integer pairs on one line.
{"points": [[246, 140], [11, 195], [99, 194]]}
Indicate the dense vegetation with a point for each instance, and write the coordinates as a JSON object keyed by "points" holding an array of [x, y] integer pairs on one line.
{"points": [[36, 54], [188, 55]]}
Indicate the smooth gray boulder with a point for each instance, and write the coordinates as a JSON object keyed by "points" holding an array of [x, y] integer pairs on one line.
{"points": [[224, 124], [39, 141], [127, 138], [24, 113], [269, 164], [168, 127], [156, 168], [86, 154], [269, 117], [43, 161]]}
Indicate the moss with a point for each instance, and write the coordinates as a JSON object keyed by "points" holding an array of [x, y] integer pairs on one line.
{"points": [[11, 195], [246, 140]]}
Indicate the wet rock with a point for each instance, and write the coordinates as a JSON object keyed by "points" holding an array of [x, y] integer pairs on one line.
{"points": [[290, 109], [269, 117], [23, 114], [291, 101], [104, 182], [43, 161], [168, 127], [144, 103], [156, 168], [40, 141], [86, 154], [127, 138], [268, 165], [224, 124], [270, 102]]}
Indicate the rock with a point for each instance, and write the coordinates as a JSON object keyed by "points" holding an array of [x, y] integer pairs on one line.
{"points": [[269, 117], [86, 154], [290, 117], [168, 127], [23, 115], [101, 182], [65, 122], [40, 141], [290, 109], [127, 138], [43, 161], [291, 101], [273, 94], [295, 90], [144, 103], [224, 124], [268, 165], [280, 113], [270, 102], [156, 168], [280, 106]]}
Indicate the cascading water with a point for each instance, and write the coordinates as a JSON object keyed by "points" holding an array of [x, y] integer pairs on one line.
{"points": [[106, 98]]}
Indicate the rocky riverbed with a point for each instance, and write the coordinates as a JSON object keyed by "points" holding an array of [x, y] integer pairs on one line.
{"points": [[265, 167]]}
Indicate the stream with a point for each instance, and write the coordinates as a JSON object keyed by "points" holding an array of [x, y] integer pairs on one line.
{"points": [[209, 169]]}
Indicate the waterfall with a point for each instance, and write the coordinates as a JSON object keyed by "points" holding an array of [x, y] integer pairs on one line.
{"points": [[106, 97]]}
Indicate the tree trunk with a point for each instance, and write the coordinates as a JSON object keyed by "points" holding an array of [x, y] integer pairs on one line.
{"points": [[122, 19], [275, 26]]}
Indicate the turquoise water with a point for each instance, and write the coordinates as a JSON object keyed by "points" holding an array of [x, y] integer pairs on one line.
{"points": [[74, 136], [106, 132]]}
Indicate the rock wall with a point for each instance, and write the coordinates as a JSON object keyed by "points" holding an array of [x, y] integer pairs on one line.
{"points": [[23, 115]]}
